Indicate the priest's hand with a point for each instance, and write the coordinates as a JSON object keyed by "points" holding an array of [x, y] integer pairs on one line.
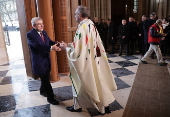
{"points": [[63, 45]]}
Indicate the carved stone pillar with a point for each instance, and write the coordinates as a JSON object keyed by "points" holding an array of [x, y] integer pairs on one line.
{"points": [[160, 8], [100, 9], [46, 13]]}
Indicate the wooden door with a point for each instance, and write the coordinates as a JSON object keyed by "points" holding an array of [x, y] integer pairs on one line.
{"points": [[71, 21]]}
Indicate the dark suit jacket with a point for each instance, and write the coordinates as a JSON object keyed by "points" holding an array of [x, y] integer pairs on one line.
{"points": [[146, 24], [133, 30], [111, 32], [40, 51], [103, 31], [123, 31], [140, 28]]}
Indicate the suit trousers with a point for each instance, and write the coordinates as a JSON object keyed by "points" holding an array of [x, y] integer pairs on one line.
{"points": [[127, 48], [46, 86], [157, 51]]}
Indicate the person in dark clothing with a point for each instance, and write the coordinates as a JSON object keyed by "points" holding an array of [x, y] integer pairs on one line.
{"points": [[103, 31], [141, 36], [40, 45], [123, 32], [155, 33], [133, 34], [165, 44], [111, 35], [146, 24], [169, 18], [95, 21]]}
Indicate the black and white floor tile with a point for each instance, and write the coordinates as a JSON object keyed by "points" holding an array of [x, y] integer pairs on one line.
{"points": [[19, 94]]}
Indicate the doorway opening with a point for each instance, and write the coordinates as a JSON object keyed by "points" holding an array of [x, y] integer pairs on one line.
{"points": [[11, 29]]}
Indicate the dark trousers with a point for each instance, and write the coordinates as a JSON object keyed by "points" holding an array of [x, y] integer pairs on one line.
{"points": [[132, 45], [105, 44], [46, 86], [113, 42], [164, 47], [146, 47], [126, 47], [141, 45]]}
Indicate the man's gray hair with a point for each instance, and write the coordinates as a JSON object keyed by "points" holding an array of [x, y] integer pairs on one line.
{"points": [[84, 11], [159, 21], [34, 19]]}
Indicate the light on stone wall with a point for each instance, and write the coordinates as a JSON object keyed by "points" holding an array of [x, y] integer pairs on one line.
{"points": [[159, 1]]}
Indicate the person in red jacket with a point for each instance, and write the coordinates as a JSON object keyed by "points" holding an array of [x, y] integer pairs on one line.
{"points": [[155, 34]]}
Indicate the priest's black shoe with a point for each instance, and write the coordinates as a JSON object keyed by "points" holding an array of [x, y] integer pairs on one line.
{"points": [[101, 113], [53, 101], [107, 110], [120, 54], [71, 108], [43, 94]]}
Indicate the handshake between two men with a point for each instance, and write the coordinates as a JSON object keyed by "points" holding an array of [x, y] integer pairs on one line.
{"points": [[59, 46]]}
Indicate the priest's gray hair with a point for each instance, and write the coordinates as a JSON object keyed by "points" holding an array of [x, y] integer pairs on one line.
{"points": [[84, 11], [34, 19], [159, 21]]}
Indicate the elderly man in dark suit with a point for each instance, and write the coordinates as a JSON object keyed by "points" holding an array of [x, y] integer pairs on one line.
{"points": [[111, 35], [133, 34], [41, 45], [124, 37], [141, 36]]}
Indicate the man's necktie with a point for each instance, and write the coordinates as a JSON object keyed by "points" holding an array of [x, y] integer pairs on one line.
{"points": [[42, 37]]}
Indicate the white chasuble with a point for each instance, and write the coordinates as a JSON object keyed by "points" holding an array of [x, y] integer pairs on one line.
{"points": [[90, 72]]}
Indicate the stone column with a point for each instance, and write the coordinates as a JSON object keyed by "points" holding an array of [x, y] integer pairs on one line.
{"points": [[160, 7], [164, 8], [141, 9], [85, 2], [100, 9], [4, 56], [46, 13]]}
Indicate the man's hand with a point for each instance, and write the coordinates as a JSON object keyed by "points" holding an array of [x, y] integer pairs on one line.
{"points": [[163, 38], [123, 37], [56, 48]]}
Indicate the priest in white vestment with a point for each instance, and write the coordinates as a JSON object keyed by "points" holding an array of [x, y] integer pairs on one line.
{"points": [[90, 72]]}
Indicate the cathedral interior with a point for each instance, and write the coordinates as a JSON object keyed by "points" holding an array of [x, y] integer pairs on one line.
{"points": [[142, 89]]}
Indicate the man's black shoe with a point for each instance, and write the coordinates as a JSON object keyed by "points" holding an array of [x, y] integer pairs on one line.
{"points": [[71, 108], [120, 54], [144, 62], [54, 102], [43, 94], [162, 64], [165, 64]]}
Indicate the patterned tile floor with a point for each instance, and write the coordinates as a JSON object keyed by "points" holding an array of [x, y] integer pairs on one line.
{"points": [[19, 94]]}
